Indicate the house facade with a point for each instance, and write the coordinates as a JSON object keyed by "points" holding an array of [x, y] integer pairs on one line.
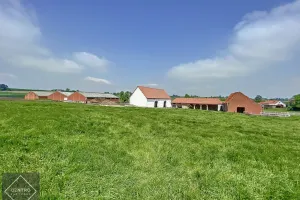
{"points": [[239, 103], [198, 103], [273, 104], [150, 97]]}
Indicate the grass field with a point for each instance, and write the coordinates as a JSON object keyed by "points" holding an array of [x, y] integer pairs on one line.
{"points": [[93, 152], [13, 94]]}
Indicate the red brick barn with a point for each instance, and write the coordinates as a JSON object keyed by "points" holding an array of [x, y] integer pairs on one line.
{"points": [[92, 97], [60, 96], [240, 103], [37, 95]]}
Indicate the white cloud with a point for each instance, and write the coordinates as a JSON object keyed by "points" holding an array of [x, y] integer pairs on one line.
{"points": [[97, 80], [7, 76], [262, 39], [151, 84], [91, 60], [20, 43]]}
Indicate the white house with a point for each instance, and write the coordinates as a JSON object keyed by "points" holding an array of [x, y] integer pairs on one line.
{"points": [[273, 104], [150, 97]]}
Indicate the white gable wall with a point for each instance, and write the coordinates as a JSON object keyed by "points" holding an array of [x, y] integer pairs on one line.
{"points": [[138, 98], [160, 103]]}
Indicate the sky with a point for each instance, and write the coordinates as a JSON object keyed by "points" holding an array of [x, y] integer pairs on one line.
{"points": [[198, 47]]}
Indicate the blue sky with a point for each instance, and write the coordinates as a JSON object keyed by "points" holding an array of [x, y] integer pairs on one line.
{"points": [[197, 47]]}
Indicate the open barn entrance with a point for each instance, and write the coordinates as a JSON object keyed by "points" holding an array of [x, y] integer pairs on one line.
{"points": [[240, 109]]}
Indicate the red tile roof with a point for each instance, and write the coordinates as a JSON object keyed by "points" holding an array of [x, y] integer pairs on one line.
{"points": [[208, 101], [269, 102], [154, 93]]}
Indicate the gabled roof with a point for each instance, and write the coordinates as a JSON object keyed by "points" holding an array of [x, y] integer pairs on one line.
{"points": [[67, 93], [208, 101], [232, 95], [270, 102], [98, 95], [154, 93], [42, 93]]}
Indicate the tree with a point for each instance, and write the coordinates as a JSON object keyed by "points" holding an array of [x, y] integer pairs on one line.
{"points": [[187, 96], [3, 87], [124, 96], [68, 90], [258, 98]]}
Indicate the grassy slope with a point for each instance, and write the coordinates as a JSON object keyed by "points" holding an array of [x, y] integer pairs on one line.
{"points": [[91, 152]]}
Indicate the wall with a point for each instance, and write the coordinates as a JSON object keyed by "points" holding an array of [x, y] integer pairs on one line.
{"points": [[57, 96], [160, 103], [240, 100], [77, 97], [138, 98], [31, 96]]}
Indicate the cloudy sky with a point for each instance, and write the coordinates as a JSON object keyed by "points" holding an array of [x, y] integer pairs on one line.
{"points": [[201, 47]]}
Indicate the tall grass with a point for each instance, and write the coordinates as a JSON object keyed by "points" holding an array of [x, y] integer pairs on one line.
{"points": [[93, 152]]}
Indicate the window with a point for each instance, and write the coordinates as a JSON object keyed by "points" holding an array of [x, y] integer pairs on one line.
{"points": [[155, 104]]}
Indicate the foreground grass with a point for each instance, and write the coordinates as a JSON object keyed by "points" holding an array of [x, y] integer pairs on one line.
{"points": [[93, 152]]}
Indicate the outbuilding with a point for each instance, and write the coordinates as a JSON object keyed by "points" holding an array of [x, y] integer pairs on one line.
{"points": [[240, 103], [37, 95], [273, 104], [92, 97], [198, 103], [150, 97], [59, 96]]}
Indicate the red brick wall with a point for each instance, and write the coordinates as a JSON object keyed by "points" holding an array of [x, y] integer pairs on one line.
{"points": [[241, 100], [57, 96], [76, 96], [31, 96]]}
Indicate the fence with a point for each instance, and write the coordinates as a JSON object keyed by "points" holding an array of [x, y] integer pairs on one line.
{"points": [[276, 114]]}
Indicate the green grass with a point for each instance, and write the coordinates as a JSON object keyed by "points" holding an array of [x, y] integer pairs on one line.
{"points": [[93, 152], [12, 94]]}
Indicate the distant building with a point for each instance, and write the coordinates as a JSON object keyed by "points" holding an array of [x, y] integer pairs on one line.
{"points": [[59, 96], [240, 103], [35, 95], [150, 97], [272, 104], [92, 97], [198, 103]]}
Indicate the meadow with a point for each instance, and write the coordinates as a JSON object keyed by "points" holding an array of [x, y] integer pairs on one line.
{"points": [[97, 152]]}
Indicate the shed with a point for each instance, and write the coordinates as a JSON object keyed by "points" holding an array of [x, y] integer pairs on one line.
{"points": [[60, 96], [240, 103], [92, 97], [198, 103], [150, 97], [34, 95]]}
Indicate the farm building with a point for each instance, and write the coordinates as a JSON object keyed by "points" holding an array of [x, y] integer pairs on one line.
{"points": [[198, 103], [150, 97], [238, 102], [59, 96], [272, 104], [34, 95], [92, 97]]}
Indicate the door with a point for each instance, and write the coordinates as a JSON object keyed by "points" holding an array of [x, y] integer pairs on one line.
{"points": [[165, 104], [155, 104], [240, 109]]}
